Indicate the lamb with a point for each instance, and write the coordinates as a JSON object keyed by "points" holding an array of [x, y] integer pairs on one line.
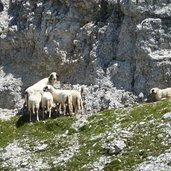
{"points": [[51, 80], [77, 101], [47, 103], [161, 94], [63, 97], [34, 101]]}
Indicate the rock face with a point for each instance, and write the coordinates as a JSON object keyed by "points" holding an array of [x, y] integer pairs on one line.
{"points": [[123, 44]]}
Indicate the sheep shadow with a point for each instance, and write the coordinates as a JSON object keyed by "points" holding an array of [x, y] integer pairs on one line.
{"points": [[25, 117]]}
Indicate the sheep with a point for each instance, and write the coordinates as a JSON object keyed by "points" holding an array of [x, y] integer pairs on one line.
{"points": [[51, 80], [77, 101], [63, 97], [161, 94], [34, 101], [47, 103]]}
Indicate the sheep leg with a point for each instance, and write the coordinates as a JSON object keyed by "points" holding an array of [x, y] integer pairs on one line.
{"points": [[30, 114], [59, 109], [49, 113], [77, 105], [31, 111], [70, 106], [37, 114], [49, 108], [64, 106]]}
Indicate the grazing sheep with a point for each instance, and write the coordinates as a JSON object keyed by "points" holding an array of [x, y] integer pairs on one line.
{"points": [[47, 103], [51, 80], [77, 101], [161, 94], [34, 101], [63, 97]]}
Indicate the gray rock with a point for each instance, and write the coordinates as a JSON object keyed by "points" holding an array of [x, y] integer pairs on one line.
{"points": [[167, 116], [155, 163], [122, 45], [116, 147]]}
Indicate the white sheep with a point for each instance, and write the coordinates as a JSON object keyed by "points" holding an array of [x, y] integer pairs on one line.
{"points": [[51, 80], [77, 101], [34, 101], [47, 103], [161, 94], [63, 97]]}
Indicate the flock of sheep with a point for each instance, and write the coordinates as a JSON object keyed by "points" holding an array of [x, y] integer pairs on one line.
{"points": [[42, 95]]}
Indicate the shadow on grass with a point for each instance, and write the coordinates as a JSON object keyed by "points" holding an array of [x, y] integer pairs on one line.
{"points": [[24, 117]]}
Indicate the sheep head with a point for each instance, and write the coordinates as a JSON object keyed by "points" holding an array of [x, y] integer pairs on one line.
{"points": [[53, 77], [48, 88], [154, 90]]}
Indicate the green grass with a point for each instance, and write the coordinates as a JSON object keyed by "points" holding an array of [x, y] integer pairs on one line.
{"points": [[19, 126], [144, 142], [145, 112], [142, 120]]}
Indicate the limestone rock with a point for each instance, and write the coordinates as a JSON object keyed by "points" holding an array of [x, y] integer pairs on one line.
{"points": [[124, 45]]}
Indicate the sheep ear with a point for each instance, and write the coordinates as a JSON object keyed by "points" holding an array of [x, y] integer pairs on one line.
{"points": [[154, 91], [45, 88], [50, 77]]}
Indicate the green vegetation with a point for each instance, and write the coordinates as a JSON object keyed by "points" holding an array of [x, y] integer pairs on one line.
{"points": [[19, 126], [144, 122]]}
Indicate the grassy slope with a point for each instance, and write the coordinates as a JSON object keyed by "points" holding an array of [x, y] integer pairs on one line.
{"points": [[144, 121]]}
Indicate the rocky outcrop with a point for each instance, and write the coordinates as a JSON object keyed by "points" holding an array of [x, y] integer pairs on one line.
{"points": [[122, 44]]}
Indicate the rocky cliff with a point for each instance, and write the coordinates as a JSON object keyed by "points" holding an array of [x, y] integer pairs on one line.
{"points": [[118, 44]]}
